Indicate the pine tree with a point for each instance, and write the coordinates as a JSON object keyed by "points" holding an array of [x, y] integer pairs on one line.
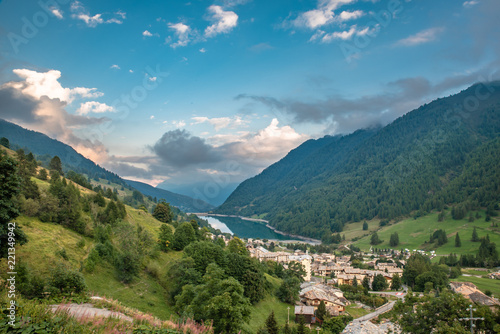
{"points": [[458, 243], [475, 237], [272, 324], [365, 226], [321, 312], [56, 164]]}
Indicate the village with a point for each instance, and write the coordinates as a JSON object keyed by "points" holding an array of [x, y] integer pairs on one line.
{"points": [[325, 273]]}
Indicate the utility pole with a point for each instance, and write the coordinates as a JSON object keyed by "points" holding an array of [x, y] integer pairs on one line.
{"points": [[288, 319], [471, 319]]}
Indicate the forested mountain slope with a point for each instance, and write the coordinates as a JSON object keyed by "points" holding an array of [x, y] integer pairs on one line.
{"points": [[414, 163]]}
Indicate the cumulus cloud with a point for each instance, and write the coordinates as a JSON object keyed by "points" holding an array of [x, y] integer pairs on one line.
{"points": [[94, 107], [146, 33], [425, 36], [38, 84], [38, 102], [220, 122], [115, 67], [224, 21], [81, 13]]}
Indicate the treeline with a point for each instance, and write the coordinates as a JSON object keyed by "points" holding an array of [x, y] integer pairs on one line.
{"points": [[487, 257]]}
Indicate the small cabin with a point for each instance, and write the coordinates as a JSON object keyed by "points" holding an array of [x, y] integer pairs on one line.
{"points": [[305, 311]]}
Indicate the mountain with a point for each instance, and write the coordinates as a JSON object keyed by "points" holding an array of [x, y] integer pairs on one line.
{"points": [[197, 190], [185, 203], [41, 145], [45, 148], [414, 164]]}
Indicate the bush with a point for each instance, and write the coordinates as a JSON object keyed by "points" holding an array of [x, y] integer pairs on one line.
{"points": [[67, 280]]}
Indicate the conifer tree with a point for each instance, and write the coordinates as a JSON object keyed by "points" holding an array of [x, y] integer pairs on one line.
{"points": [[458, 243]]}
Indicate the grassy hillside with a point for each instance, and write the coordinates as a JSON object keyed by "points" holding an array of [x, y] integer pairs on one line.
{"points": [[413, 233]]}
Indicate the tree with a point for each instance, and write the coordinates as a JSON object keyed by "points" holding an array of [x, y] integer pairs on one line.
{"points": [[9, 188], [365, 226], [42, 174], [394, 241], [236, 245], [379, 283], [396, 282], [165, 238], [366, 283], [322, 312], [355, 281], [162, 212], [475, 237], [416, 264], [56, 164], [5, 142], [439, 314], [183, 236], [217, 299], [375, 239], [336, 325], [458, 243], [301, 329], [288, 292], [272, 324]]}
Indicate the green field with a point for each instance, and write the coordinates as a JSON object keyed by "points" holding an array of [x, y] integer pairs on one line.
{"points": [[413, 233], [355, 311]]}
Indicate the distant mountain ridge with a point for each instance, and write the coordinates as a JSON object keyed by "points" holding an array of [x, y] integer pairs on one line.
{"points": [[40, 144], [185, 203], [408, 165]]}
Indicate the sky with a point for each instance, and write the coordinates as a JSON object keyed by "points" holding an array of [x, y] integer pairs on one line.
{"points": [[200, 95]]}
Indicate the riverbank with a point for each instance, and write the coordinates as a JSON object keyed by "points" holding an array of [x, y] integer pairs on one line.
{"points": [[263, 221]]}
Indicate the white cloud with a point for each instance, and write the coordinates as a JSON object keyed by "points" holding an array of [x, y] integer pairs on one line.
{"points": [[115, 67], [345, 35], [147, 34], [324, 14], [266, 146], [57, 12], [152, 79], [152, 117], [422, 37], [131, 71], [220, 122], [346, 16], [81, 13], [225, 21], [202, 50], [94, 107], [179, 124], [38, 84], [182, 31], [46, 111], [468, 4]]}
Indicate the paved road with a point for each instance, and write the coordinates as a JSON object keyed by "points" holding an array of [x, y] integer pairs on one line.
{"points": [[382, 309]]}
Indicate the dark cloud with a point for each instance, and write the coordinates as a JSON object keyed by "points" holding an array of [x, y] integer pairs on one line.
{"points": [[178, 148], [395, 99], [15, 106]]}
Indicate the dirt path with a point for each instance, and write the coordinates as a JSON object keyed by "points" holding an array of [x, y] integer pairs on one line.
{"points": [[88, 310]]}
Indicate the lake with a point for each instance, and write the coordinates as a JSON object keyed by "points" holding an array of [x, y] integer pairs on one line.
{"points": [[244, 228]]}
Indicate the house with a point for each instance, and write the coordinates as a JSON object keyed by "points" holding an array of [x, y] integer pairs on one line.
{"points": [[313, 294], [307, 312], [471, 292]]}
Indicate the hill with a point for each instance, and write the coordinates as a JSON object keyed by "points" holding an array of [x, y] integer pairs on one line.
{"points": [[184, 203], [413, 165], [45, 148]]}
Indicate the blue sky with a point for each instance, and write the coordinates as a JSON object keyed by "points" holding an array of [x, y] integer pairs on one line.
{"points": [[204, 94]]}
